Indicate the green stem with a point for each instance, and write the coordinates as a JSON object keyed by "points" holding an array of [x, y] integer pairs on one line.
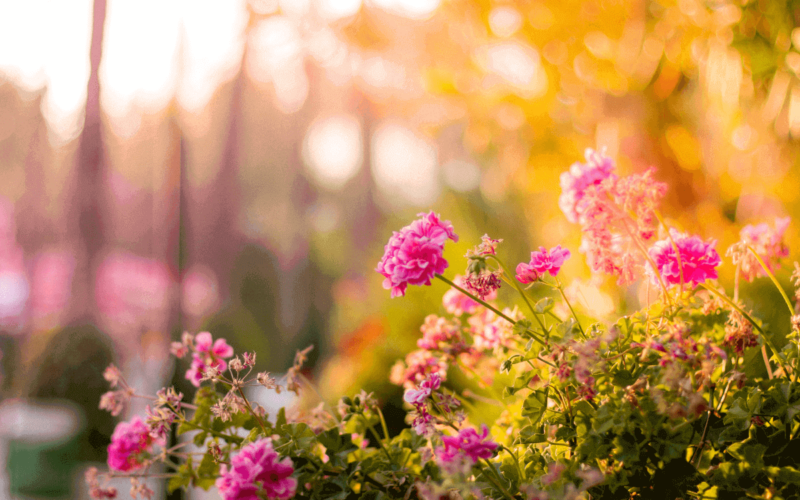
{"points": [[513, 280], [235, 439], [519, 467], [380, 443], [486, 305], [752, 322], [774, 281], [494, 481], [383, 423], [252, 412], [566, 301]]}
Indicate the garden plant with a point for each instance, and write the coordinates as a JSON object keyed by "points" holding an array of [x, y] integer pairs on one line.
{"points": [[660, 404]]}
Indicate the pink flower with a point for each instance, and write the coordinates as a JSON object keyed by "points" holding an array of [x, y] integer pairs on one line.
{"points": [[456, 303], [414, 254], [220, 348], [418, 396], [542, 262], [208, 354], [129, 441], [469, 443], [418, 365], [767, 243], [616, 215], [440, 334], [698, 259], [199, 365], [579, 178], [256, 472]]}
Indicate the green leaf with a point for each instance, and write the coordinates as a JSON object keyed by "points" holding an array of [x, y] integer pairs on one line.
{"points": [[543, 305], [535, 405], [183, 478], [622, 378]]}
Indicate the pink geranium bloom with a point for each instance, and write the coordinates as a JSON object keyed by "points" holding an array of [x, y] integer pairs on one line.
{"points": [[220, 348], [579, 178], [129, 441], [414, 254], [542, 262], [768, 243], [255, 473], [418, 396], [468, 443], [199, 365], [417, 366], [699, 259], [456, 303]]}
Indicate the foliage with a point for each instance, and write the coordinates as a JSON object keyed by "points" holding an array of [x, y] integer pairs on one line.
{"points": [[665, 402]]}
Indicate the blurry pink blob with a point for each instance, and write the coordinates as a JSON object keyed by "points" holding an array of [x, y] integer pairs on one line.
{"points": [[200, 292], [131, 290], [14, 288], [51, 286]]}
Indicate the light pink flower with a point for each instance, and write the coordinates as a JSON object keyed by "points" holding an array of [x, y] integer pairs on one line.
{"points": [[542, 262], [767, 242], [129, 441], [613, 213], [579, 178], [440, 334], [468, 443], [699, 259], [418, 396], [418, 365], [414, 254], [488, 246], [256, 472], [456, 303]]}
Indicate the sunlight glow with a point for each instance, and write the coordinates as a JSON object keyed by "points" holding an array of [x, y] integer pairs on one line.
{"points": [[333, 150], [45, 43], [413, 9], [404, 165]]}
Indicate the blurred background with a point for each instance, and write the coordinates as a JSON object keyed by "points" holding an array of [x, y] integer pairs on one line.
{"points": [[237, 166]]}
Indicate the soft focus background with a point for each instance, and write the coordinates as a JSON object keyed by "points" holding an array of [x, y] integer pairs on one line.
{"points": [[233, 166]]}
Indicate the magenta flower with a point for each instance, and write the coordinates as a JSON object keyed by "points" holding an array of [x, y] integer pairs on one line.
{"points": [[219, 348], [542, 262], [129, 441], [208, 354], [579, 178], [414, 254], [468, 443], [255, 473], [699, 259]]}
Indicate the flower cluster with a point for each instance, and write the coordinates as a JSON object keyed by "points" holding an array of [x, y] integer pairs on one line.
{"points": [[542, 262], [695, 261], [208, 356], [468, 443], [130, 445], [413, 255], [617, 215], [668, 396], [766, 242], [256, 472]]}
